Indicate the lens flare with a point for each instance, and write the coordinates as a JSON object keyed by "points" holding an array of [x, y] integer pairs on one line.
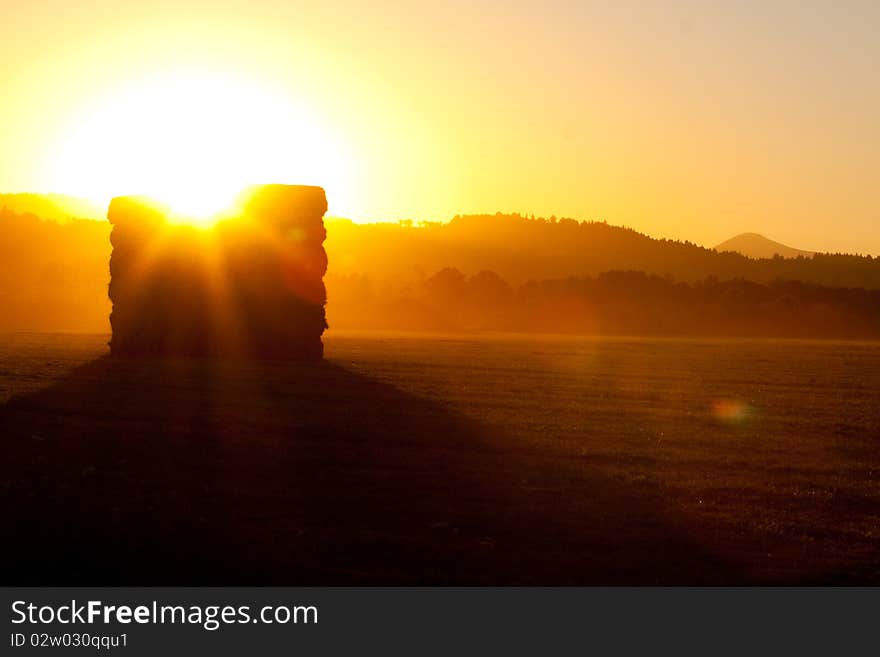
{"points": [[733, 412]]}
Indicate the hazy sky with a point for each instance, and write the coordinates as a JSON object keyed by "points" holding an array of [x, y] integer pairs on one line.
{"points": [[691, 120]]}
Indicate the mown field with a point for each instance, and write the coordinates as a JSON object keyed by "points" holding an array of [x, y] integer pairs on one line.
{"points": [[444, 460]]}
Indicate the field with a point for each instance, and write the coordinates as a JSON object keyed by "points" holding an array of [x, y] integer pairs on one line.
{"points": [[444, 460]]}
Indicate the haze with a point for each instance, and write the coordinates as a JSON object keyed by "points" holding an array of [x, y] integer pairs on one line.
{"points": [[682, 120]]}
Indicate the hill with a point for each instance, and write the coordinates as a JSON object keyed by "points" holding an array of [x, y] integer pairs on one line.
{"points": [[504, 272], [53, 275], [754, 245], [56, 207], [522, 249]]}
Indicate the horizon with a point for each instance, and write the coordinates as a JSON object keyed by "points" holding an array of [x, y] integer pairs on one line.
{"points": [[692, 123], [207, 222]]}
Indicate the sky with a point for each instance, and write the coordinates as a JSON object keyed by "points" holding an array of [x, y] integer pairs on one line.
{"points": [[686, 120]]}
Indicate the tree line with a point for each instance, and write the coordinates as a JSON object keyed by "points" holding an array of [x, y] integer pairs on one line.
{"points": [[486, 272], [612, 303], [522, 248]]}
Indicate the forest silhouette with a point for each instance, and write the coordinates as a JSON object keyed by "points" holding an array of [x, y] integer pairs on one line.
{"points": [[488, 272]]}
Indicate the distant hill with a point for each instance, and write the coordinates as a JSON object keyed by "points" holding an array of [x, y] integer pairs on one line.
{"points": [[522, 249], [754, 245], [56, 207]]}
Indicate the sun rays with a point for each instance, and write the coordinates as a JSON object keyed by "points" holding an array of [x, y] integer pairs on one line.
{"points": [[192, 139], [250, 285]]}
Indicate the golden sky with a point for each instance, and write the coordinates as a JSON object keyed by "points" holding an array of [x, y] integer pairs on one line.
{"points": [[690, 120]]}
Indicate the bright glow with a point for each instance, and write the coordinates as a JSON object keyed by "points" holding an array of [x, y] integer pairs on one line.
{"points": [[192, 140], [732, 411]]}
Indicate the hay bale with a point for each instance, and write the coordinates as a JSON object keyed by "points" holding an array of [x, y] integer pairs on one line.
{"points": [[285, 205], [251, 286]]}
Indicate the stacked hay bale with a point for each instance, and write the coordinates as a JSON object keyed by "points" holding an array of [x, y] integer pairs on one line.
{"points": [[253, 285], [277, 267], [137, 224]]}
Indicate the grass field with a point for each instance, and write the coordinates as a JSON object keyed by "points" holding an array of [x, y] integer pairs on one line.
{"points": [[444, 459]]}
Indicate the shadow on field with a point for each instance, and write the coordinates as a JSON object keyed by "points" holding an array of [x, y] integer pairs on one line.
{"points": [[205, 472]]}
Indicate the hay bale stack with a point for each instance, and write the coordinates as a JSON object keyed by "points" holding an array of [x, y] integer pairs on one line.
{"points": [[278, 268], [253, 285], [137, 225]]}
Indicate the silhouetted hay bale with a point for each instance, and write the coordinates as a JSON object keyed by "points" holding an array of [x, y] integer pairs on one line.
{"points": [[286, 205], [253, 285]]}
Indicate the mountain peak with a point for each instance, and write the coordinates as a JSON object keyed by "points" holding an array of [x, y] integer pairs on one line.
{"points": [[755, 245]]}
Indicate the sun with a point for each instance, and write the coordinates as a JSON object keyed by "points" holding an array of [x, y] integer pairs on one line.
{"points": [[193, 140]]}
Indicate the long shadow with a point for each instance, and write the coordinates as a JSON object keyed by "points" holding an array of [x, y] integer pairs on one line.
{"points": [[186, 472]]}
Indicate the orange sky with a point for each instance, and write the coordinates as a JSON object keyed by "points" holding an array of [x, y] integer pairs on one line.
{"points": [[688, 120]]}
